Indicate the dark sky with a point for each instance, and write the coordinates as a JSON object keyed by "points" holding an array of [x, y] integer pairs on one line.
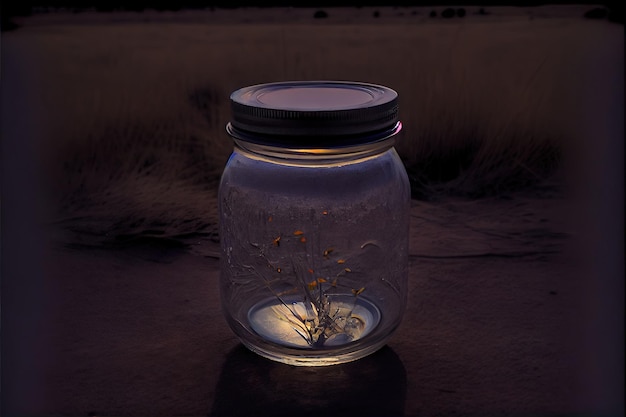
{"points": [[10, 5], [10, 8]]}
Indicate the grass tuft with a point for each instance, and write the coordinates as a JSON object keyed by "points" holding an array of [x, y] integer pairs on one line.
{"points": [[136, 142]]}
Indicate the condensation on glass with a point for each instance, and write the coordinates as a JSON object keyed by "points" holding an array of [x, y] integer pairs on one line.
{"points": [[314, 220]]}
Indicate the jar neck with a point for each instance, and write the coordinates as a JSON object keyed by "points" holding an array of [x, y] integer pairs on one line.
{"points": [[318, 155], [314, 156]]}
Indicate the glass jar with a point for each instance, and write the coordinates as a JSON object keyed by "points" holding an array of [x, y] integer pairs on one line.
{"points": [[314, 220]]}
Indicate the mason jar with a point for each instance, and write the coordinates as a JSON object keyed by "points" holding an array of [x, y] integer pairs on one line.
{"points": [[314, 220]]}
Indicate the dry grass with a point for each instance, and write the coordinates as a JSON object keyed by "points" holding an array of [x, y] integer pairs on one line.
{"points": [[136, 142]]}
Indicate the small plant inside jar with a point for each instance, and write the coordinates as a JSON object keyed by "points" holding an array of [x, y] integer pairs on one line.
{"points": [[316, 301]]}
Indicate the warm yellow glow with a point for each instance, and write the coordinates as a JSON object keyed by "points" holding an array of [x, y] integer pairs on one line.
{"points": [[313, 157], [296, 325]]}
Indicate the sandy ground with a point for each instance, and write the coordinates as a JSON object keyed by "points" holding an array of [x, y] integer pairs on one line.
{"points": [[501, 320], [515, 302]]}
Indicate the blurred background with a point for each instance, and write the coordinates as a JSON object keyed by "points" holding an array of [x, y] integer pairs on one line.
{"points": [[130, 101]]}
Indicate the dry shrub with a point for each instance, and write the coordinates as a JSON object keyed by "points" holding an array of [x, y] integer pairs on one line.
{"points": [[137, 112]]}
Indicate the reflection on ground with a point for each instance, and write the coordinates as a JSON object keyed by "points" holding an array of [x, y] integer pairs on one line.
{"points": [[252, 385]]}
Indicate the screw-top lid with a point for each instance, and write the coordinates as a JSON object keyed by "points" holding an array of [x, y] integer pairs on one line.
{"points": [[314, 113]]}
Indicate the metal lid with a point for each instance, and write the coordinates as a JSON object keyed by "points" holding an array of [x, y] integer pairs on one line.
{"points": [[314, 113]]}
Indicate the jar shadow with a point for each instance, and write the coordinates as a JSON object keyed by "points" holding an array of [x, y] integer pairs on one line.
{"points": [[252, 385]]}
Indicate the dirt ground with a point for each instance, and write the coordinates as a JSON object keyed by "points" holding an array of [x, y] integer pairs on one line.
{"points": [[502, 319]]}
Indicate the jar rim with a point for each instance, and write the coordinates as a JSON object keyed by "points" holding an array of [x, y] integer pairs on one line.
{"points": [[313, 141], [306, 113]]}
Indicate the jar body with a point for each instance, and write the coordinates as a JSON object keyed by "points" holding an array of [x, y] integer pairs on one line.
{"points": [[314, 253]]}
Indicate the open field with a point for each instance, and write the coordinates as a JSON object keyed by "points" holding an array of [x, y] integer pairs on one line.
{"points": [[131, 114], [113, 143]]}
